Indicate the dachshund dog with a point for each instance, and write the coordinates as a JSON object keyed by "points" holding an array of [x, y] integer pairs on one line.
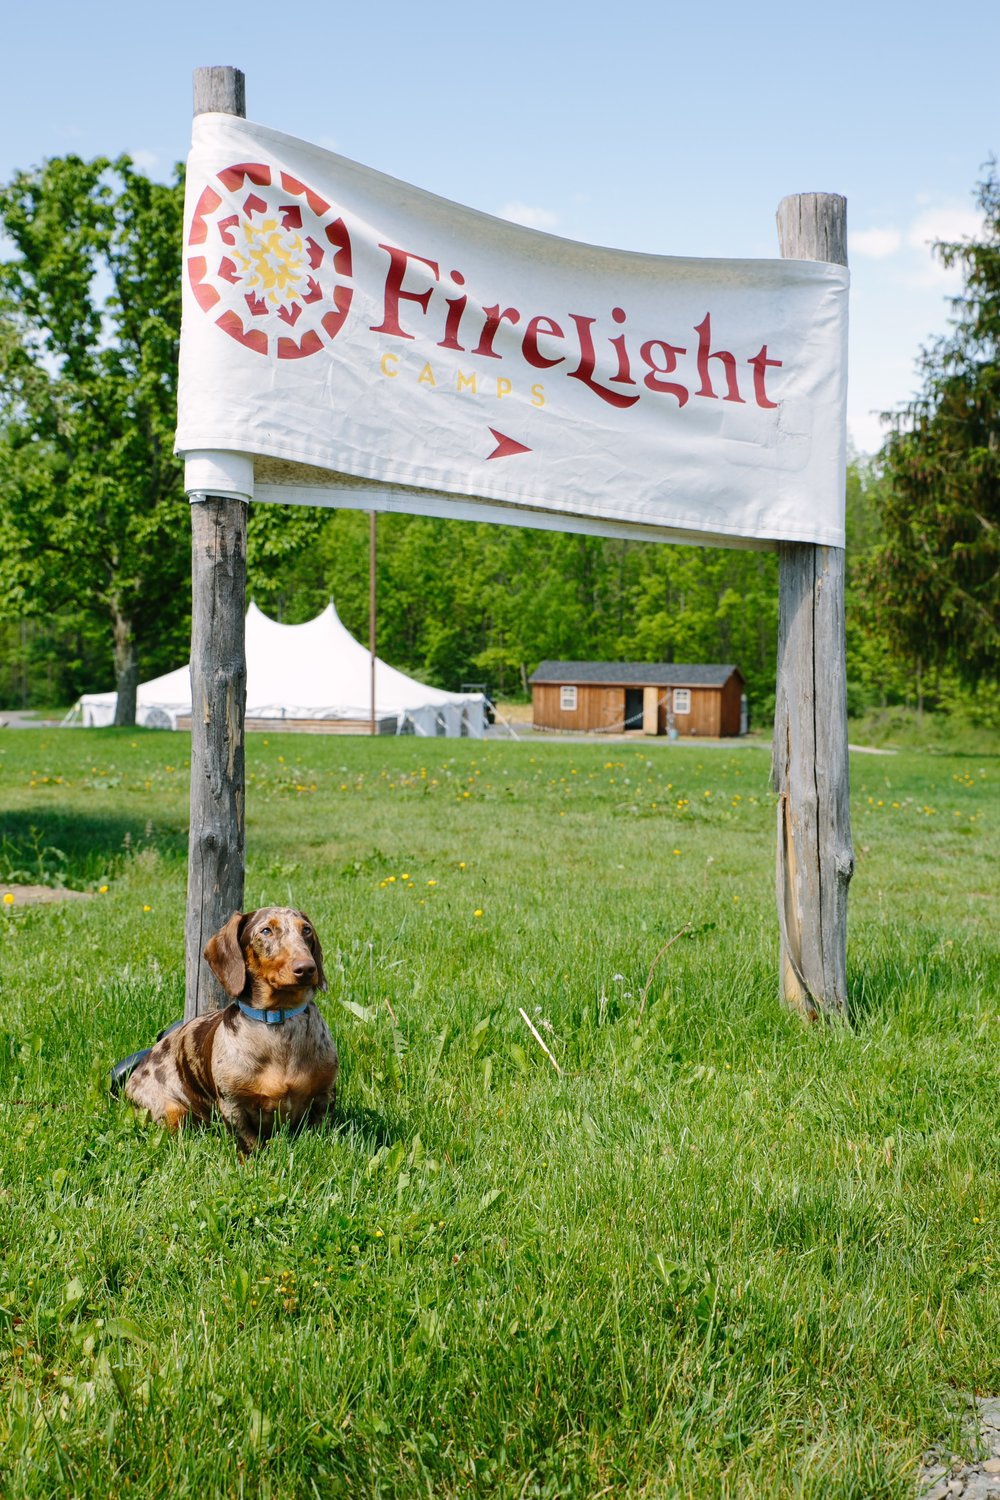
{"points": [[266, 1058]]}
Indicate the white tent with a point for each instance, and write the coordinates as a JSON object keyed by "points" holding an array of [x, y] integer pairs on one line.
{"points": [[310, 672]]}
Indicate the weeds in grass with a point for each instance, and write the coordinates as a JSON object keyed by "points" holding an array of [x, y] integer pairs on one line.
{"points": [[32, 863]]}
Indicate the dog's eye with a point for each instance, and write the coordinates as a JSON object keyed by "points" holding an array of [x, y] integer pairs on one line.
{"points": [[307, 932], [265, 932]]}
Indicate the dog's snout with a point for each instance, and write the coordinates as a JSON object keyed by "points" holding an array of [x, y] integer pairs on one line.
{"points": [[305, 968]]}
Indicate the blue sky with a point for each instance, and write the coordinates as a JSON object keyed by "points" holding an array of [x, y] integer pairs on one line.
{"points": [[660, 127]]}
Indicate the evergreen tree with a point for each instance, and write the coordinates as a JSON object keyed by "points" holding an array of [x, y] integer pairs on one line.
{"points": [[936, 578]]}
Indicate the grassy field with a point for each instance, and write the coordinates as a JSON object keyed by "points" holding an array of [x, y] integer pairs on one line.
{"points": [[720, 1254]]}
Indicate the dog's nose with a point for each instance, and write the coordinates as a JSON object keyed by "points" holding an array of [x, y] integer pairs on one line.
{"points": [[304, 969]]}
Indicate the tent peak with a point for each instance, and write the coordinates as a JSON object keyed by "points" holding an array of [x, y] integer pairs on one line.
{"points": [[329, 609]]}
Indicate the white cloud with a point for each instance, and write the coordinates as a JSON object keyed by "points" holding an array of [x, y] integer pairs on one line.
{"points": [[950, 222], [946, 222], [866, 431], [874, 243], [531, 218]]}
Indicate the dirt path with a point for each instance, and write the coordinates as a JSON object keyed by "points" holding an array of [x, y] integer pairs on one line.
{"points": [[37, 895], [944, 1475]]}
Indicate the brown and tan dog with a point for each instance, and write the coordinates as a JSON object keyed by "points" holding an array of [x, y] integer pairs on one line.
{"points": [[266, 1058]]}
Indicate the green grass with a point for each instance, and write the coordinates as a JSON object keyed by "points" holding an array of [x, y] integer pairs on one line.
{"points": [[722, 1254], [960, 733]]}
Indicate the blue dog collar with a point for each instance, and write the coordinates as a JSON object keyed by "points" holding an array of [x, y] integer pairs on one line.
{"points": [[272, 1017]]}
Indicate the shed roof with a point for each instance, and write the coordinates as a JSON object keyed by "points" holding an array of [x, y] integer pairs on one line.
{"points": [[635, 673]]}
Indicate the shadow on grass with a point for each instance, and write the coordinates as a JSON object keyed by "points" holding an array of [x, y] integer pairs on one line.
{"points": [[60, 847], [872, 994], [924, 982], [366, 1128]]}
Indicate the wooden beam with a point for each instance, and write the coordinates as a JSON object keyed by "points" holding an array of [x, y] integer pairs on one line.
{"points": [[216, 837], [815, 858]]}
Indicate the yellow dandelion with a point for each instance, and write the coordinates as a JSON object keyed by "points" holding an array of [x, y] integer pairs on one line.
{"points": [[147, 908], [8, 898], [102, 890], [404, 876], [432, 882], [477, 913], [677, 851]]}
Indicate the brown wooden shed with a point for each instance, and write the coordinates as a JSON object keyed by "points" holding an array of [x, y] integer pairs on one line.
{"points": [[611, 697]]}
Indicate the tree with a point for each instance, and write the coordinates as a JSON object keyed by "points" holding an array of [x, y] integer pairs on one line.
{"points": [[936, 578], [91, 497]]}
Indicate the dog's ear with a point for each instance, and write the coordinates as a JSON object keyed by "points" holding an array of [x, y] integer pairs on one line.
{"points": [[224, 956], [316, 951]]}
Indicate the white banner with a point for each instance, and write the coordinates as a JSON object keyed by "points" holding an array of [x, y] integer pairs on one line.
{"points": [[351, 340]]}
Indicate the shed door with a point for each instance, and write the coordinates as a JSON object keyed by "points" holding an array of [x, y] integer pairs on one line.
{"points": [[612, 709], [633, 708]]}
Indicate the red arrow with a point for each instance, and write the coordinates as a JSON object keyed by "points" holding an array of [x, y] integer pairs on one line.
{"points": [[506, 446]]}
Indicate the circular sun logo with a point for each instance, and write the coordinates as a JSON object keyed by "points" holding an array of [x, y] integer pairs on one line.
{"points": [[270, 260]]}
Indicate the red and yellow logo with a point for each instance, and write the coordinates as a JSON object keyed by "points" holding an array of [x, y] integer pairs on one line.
{"points": [[273, 267]]}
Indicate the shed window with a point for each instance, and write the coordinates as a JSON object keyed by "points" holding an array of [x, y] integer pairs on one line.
{"points": [[682, 700], [567, 699]]}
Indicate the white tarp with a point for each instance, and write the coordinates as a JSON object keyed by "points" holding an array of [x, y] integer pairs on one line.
{"points": [[311, 671], [357, 341]]}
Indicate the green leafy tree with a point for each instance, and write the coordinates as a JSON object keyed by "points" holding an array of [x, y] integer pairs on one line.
{"points": [[462, 602], [708, 604], [286, 564], [91, 497], [936, 577], [877, 675]]}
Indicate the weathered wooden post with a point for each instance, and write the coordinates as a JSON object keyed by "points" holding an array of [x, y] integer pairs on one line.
{"points": [[371, 615], [216, 837], [815, 859]]}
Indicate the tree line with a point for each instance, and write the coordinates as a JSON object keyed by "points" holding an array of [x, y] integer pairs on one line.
{"points": [[94, 570]]}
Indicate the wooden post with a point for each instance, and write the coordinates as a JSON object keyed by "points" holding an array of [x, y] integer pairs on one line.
{"points": [[815, 859], [216, 839], [371, 614]]}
